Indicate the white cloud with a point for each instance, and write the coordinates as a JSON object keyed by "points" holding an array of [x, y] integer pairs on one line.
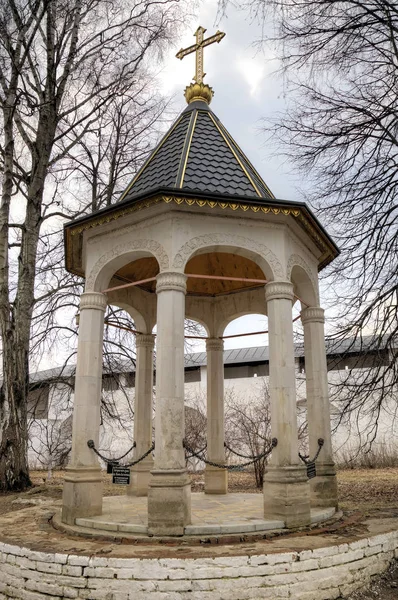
{"points": [[252, 71]]}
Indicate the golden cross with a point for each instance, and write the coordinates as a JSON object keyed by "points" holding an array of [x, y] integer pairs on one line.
{"points": [[198, 48]]}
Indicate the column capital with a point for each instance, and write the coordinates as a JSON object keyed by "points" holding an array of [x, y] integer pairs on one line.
{"points": [[214, 344], [279, 290], [313, 314], [144, 340], [171, 280], [93, 300]]}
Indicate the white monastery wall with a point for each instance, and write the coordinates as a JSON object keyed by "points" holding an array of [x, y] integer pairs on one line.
{"points": [[49, 436], [321, 574]]}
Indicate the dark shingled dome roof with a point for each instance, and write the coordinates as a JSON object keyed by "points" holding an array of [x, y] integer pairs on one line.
{"points": [[198, 154]]}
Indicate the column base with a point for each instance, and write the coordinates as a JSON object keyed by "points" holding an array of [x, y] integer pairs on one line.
{"points": [[287, 496], [216, 480], [324, 487], [169, 502], [139, 479], [82, 493]]}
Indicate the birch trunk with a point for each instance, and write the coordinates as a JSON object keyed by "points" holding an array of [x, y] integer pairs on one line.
{"points": [[16, 316]]}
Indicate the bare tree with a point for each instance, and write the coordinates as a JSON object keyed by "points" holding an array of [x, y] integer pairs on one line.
{"points": [[62, 64], [195, 427], [248, 428], [50, 425], [340, 62], [102, 162]]}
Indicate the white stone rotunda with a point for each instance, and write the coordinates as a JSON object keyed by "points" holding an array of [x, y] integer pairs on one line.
{"points": [[198, 234]]}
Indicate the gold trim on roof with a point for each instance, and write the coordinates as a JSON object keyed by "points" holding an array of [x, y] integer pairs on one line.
{"points": [[242, 166], [248, 161], [150, 157], [180, 183]]}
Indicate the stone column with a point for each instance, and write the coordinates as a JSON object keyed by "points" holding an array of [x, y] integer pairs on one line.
{"points": [[324, 485], [142, 415], [286, 489], [216, 480], [169, 494], [82, 495]]}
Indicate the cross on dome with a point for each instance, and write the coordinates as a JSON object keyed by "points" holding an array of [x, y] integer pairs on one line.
{"points": [[198, 48], [199, 90]]}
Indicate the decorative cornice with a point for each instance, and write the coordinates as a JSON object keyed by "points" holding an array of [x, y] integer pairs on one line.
{"points": [[214, 344], [313, 314], [171, 280], [93, 300], [142, 204], [278, 290], [72, 231], [144, 340]]}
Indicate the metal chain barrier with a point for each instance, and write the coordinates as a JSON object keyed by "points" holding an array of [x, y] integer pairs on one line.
{"points": [[274, 443], [306, 459], [135, 462], [237, 453], [125, 454], [91, 445], [310, 464], [112, 461], [187, 457]]}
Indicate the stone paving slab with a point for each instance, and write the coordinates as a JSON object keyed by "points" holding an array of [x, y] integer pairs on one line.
{"points": [[211, 515]]}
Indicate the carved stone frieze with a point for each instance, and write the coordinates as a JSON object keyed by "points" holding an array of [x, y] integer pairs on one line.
{"points": [[228, 239], [147, 245]]}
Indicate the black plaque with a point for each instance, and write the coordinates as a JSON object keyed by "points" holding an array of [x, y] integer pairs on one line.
{"points": [[121, 475], [311, 470], [109, 467]]}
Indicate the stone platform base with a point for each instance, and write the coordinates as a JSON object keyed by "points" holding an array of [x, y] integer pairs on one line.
{"points": [[323, 573], [37, 562], [211, 515]]}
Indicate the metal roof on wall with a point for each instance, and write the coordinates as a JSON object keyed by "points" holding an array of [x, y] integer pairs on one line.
{"points": [[237, 356]]}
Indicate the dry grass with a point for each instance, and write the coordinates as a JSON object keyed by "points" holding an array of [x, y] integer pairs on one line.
{"points": [[360, 489], [368, 489]]}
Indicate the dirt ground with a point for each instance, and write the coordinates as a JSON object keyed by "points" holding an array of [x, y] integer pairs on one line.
{"points": [[373, 492]]}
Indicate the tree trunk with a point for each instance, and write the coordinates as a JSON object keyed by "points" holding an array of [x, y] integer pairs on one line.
{"points": [[16, 321], [14, 473]]}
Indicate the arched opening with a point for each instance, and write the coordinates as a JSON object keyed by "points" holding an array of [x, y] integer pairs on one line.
{"points": [[219, 273], [140, 269], [304, 288], [127, 268], [195, 390], [118, 382], [246, 360]]}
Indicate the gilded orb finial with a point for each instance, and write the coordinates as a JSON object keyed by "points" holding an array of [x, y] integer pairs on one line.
{"points": [[199, 90]]}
